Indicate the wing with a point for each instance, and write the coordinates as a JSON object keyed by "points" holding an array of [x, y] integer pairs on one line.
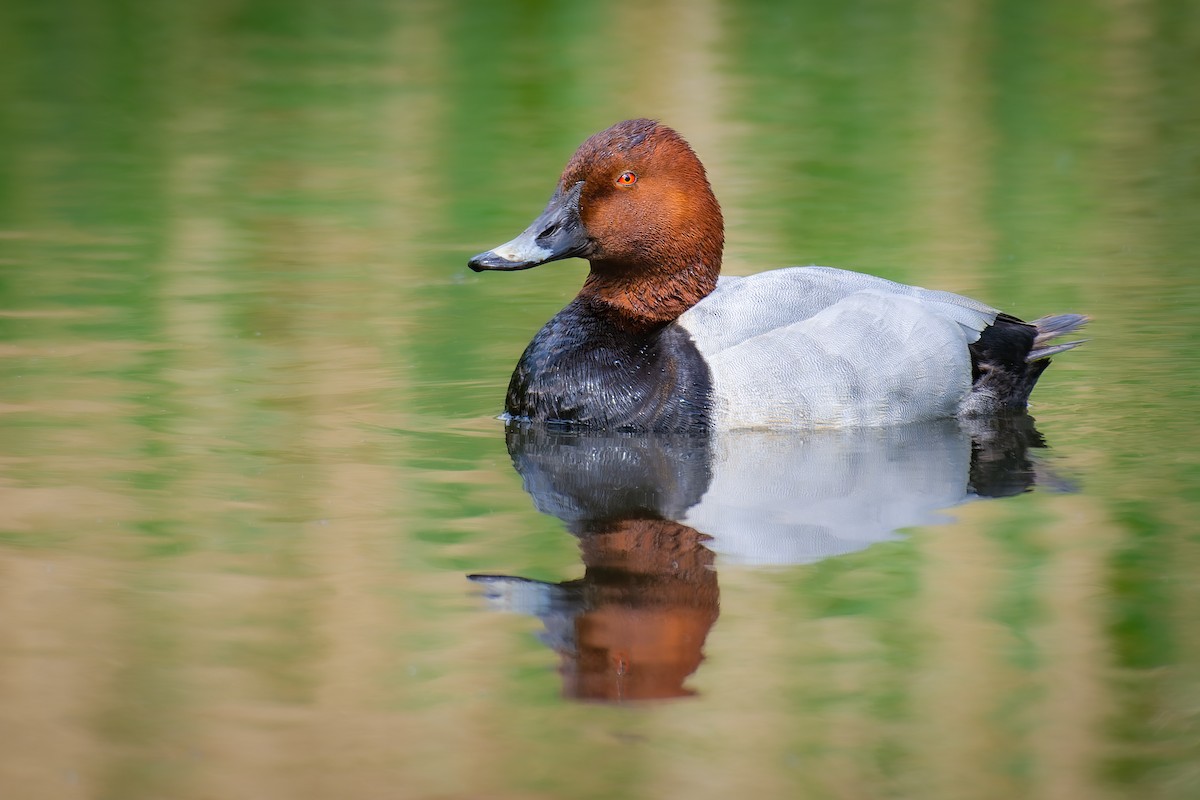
{"points": [[818, 347], [744, 307]]}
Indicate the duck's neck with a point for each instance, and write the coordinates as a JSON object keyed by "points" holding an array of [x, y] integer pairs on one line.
{"points": [[645, 299]]}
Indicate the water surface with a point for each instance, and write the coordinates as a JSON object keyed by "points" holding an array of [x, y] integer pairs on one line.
{"points": [[248, 387]]}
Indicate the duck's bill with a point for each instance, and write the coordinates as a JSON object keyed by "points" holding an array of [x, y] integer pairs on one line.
{"points": [[556, 234]]}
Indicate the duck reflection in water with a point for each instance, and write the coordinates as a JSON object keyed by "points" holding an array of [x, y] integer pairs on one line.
{"points": [[654, 514]]}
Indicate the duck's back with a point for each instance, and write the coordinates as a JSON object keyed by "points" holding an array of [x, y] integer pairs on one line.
{"points": [[822, 347]]}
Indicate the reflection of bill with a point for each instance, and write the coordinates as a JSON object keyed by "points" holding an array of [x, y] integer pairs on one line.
{"points": [[633, 627], [653, 513]]}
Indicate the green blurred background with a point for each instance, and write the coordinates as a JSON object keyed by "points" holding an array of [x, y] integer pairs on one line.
{"points": [[248, 388]]}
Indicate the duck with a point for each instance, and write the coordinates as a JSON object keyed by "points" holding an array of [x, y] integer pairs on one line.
{"points": [[657, 340]]}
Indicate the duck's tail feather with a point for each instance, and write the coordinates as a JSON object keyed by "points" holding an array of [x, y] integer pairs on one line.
{"points": [[1009, 357], [1052, 327]]}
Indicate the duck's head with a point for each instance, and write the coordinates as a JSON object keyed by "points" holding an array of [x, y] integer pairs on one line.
{"points": [[635, 202]]}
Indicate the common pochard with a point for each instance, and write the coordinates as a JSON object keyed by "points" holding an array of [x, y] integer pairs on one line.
{"points": [[655, 342]]}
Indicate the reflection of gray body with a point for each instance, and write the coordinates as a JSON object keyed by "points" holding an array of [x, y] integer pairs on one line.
{"points": [[776, 497]]}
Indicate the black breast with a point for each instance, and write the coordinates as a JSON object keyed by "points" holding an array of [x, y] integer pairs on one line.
{"points": [[583, 370]]}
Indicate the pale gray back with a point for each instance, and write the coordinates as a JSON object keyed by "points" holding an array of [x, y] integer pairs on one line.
{"points": [[823, 347]]}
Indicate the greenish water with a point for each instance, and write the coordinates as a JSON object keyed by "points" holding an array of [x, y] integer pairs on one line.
{"points": [[248, 387]]}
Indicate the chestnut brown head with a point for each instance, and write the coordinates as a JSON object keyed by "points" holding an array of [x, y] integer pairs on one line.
{"points": [[634, 201]]}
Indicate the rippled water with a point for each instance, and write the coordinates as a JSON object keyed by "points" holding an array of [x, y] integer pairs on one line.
{"points": [[249, 454]]}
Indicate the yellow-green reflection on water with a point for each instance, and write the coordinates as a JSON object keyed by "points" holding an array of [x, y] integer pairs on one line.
{"points": [[247, 453]]}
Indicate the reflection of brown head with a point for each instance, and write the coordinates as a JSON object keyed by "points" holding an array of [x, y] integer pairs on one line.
{"points": [[651, 598]]}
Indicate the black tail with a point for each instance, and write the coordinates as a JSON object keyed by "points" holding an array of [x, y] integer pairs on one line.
{"points": [[1051, 328], [1010, 356]]}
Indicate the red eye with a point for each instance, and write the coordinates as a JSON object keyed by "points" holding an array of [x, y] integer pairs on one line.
{"points": [[626, 179]]}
